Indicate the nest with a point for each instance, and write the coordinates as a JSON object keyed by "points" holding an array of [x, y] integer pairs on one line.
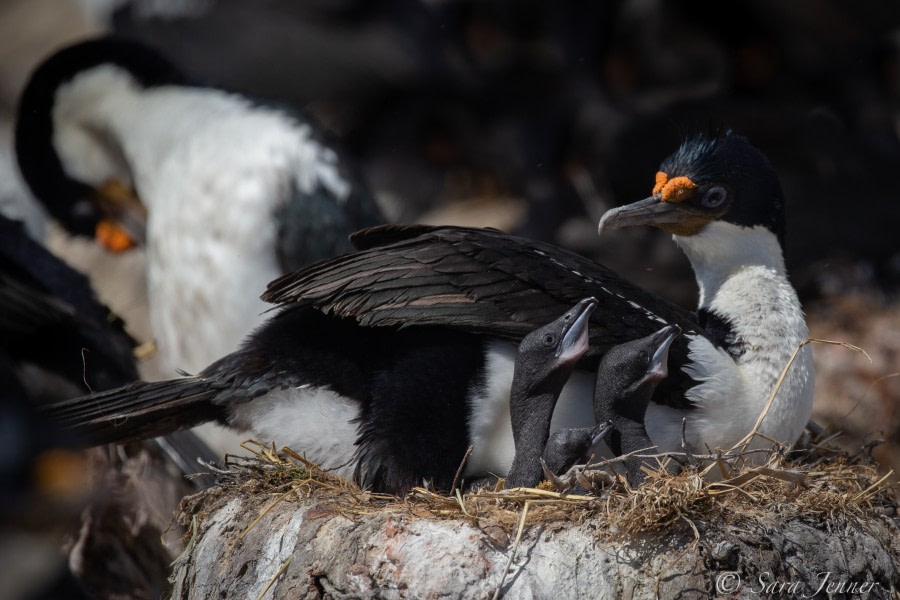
{"points": [[817, 480]]}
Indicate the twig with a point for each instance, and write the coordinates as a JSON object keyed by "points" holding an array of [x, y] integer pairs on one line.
{"points": [[872, 488], [459, 470], [84, 370], [145, 350], [462, 505], [744, 441], [821, 444], [310, 466], [867, 448], [275, 578], [189, 547], [672, 455], [528, 495], [869, 389], [515, 548], [264, 513], [214, 467]]}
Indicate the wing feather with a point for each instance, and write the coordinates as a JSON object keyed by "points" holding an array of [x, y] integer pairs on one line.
{"points": [[473, 279], [481, 281]]}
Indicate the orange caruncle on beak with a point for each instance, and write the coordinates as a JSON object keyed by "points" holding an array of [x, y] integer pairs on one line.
{"points": [[661, 179], [112, 236], [675, 190]]}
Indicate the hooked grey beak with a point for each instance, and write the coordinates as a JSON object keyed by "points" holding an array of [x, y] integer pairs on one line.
{"points": [[649, 211]]}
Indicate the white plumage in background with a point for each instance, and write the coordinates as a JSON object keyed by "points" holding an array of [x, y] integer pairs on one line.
{"points": [[227, 193]]}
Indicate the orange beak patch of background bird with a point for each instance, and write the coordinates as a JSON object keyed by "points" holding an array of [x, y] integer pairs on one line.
{"points": [[112, 236], [121, 207], [675, 190]]}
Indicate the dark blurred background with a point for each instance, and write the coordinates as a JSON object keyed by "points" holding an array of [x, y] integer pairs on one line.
{"points": [[539, 116]]}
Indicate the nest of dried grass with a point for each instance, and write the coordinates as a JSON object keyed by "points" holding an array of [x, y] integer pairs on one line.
{"points": [[818, 481]]}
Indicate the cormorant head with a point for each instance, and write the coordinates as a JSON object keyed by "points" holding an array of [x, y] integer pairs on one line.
{"points": [[709, 178], [73, 164], [629, 373], [548, 354]]}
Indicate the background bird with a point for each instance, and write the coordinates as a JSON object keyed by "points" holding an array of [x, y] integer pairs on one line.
{"points": [[58, 340], [226, 191]]}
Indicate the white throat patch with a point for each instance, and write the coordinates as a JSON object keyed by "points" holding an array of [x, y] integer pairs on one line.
{"points": [[741, 275]]}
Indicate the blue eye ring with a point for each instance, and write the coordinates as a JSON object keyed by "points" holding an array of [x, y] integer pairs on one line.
{"points": [[714, 197]]}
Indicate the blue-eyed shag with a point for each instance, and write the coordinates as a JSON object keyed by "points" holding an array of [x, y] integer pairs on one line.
{"points": [[389, 362]]}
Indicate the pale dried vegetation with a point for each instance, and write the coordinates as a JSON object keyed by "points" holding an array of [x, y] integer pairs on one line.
{"points": [[817, 481]]}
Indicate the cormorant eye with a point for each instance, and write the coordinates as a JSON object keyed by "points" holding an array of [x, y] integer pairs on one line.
{"points": [[714, 197], [550, 339]]}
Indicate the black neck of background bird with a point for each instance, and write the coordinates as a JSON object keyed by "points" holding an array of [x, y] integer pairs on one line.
{"points": [[38, 161]]}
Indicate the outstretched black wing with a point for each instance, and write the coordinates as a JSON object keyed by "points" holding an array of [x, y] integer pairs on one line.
{"points": [[476, 280], [484, 281]]}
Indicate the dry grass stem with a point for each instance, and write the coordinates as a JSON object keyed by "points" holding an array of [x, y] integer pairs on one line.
{"points": [[275, 578], [778, 383]]}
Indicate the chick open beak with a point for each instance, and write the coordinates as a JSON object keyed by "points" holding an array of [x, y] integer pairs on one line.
{"points": [[660, 342], [575, 339]]}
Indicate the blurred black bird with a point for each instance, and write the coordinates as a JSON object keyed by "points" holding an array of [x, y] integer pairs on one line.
{"points": [[57, 340]]}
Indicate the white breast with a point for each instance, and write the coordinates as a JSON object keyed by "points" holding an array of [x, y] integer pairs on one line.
{"points": [[741, 276], [316, 423]]}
